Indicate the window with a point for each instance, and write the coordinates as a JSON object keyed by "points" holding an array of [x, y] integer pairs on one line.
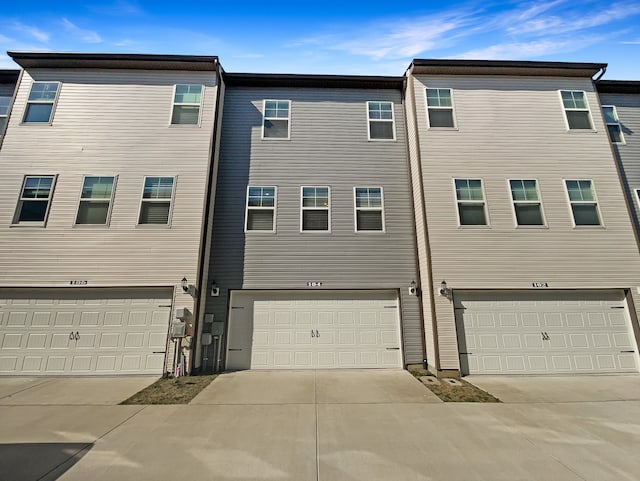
{"points": [[584, 204], [261, 209], [440, 108], [275, 123], [157, 195], [186, 104], [95, 200], [35, 199], [471, 204], [315, 209], [613, 124], [41, 101], [4, 112], [381, 125], [526, 202], [576, 109], [369, 209]]}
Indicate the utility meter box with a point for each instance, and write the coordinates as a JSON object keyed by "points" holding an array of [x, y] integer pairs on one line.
{"points": [[183, 313], [217, 328], [206, 339], [178, 329]]}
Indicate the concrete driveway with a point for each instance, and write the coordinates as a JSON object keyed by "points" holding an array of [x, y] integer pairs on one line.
{"points": [[355, 430]]}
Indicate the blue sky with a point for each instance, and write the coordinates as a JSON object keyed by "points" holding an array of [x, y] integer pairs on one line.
{"points": [[369, 38]]}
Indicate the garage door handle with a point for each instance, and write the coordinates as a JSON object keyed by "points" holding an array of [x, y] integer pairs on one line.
{"points": [[627, 351], [393, 349], [231, 349], [159, 352]]}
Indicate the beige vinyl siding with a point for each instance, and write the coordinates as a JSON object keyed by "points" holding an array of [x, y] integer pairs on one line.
{"points": [[328, 147], [511, 127], [106, 122]]}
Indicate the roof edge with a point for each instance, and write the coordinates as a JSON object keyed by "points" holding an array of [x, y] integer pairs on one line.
{"points": [[312, 80], [618, 86], [506, 67]]}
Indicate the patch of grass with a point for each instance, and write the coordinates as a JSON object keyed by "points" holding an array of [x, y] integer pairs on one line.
{"points": [[467, 393], [171, 390]]}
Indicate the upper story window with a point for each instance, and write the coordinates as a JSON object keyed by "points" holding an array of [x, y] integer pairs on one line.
{"points": [[95, 200], [35, 200], [157, 197], [613, 124], [471, 203], [186, 104], [584, 205], [526, 202], [576, 109], [315, 209], [276, 119], [40, 104], [381, 122], [5, 101], [261, 209], [440, 107], [369, 209]]}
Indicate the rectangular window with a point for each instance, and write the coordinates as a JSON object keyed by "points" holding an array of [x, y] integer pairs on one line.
{"points": [[369, 209], [526, 202], [576, 109], [381, 123], [95, 200], [157, 196], [440, 107], [471, 204], [275, 124], [5, 101], [261, 209], [35, 199], [315, 209], [584, 205], [613, 124], [40, 104], [186, 105]]}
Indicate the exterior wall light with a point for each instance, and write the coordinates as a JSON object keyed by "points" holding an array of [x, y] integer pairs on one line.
{"points": [[445, 291], [185, 284], [413, 289]]}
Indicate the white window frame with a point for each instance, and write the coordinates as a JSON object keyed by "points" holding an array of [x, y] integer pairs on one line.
{"points": [[588, 110], [171, 200], [452, 108], [328, 209], [53, 103], [81, 200], [21, 200], [514, 202], [356, 209], [265, 118], [392, 120], [607, 124], [274, 209], [187, 104], [595, 201], [484, 201]]}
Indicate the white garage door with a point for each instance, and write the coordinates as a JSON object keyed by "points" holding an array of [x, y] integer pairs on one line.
{"points": [[83, 331], [313, 330], [544, 332]]}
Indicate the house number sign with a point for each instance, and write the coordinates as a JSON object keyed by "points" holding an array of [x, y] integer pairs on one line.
{"points": [[540, 284], [78, 283], [314, 284]]}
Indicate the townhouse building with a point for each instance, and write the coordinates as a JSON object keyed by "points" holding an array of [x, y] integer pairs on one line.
{"points": [[313, 252], [105, 173], [526, 247]]}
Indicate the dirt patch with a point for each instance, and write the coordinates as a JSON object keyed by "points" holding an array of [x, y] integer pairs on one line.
{"points": [[465, 393], [171, 390]]}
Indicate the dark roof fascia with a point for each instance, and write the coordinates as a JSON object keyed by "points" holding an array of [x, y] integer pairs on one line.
{"points": [[618, 86], [505, 67], [9, 76], [313, 81], [29, 60]]}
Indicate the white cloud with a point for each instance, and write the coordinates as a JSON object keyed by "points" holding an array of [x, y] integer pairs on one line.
{"points": [[33, 32], [88, 36], [533, 49], [632, 42]]}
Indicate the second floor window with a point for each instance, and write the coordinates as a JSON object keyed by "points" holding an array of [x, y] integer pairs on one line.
{"points": [[261, 209], [157, 196], [576, 109], [584, 205], [186, 104], [613, 123], [95, 200], [369, 209], [380, 116], [42, 99], [470, 200], [275, 122], [440, 107], [35, 200], [315, 209], [526, 202]]}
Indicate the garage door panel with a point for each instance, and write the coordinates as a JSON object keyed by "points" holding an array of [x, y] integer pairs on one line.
{"points": [[568, 331], [64, 319]]}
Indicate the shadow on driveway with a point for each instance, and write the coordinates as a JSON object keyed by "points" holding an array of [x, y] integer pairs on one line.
{"points": [[34, 461]]}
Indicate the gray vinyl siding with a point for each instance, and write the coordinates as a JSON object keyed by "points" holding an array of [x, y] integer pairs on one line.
{"points": [[328, 147], [106, 122], [6, 90], [514, 128], [628, 154]]}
